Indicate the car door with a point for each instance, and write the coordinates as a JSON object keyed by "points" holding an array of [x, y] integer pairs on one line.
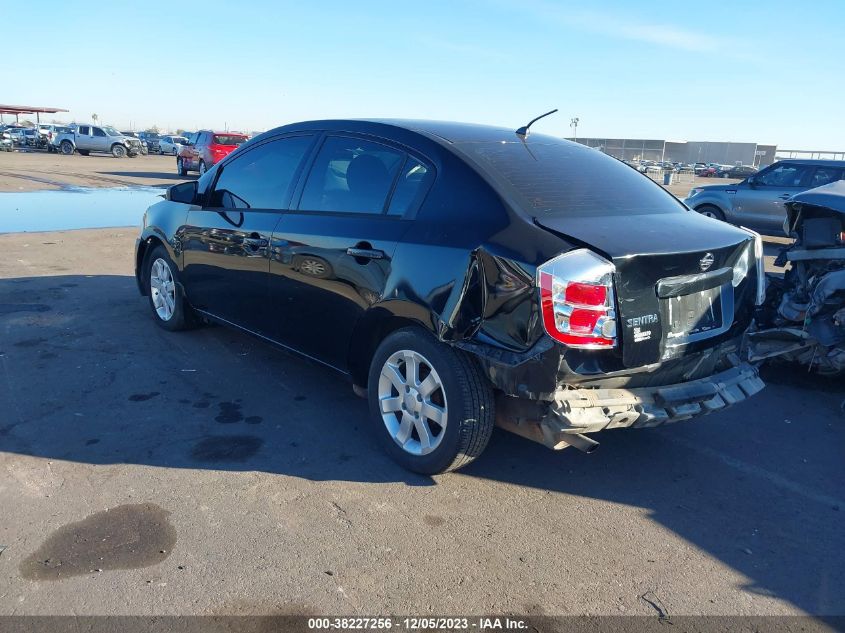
{"points": [[759, 201], [225, 244], [331, 256], [83, 137], [199, 150], [99, 140]]}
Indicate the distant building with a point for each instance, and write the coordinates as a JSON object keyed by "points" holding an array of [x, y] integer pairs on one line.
{"points": [[724, 153]]}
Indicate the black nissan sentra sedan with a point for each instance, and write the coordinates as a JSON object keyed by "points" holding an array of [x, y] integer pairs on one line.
{"points": [[463, 276]]}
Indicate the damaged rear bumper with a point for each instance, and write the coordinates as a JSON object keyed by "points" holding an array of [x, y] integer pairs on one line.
{"points": [[575, 412]]}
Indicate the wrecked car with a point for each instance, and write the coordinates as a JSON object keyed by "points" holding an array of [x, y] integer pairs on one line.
{"points": [[803, 317], [463, 276]]}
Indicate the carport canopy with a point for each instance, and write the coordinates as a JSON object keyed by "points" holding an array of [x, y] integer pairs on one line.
{"points": [[36, 110]]}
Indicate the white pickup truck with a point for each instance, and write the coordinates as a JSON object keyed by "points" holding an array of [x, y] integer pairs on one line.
{"points": [[98, 138]]}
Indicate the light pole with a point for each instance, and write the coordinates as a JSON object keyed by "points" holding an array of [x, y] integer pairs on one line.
{"points": [[573, 123]]}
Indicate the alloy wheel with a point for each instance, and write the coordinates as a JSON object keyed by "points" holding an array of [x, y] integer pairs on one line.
{"points": [[412, 401], [162, 289], [313, 267]]}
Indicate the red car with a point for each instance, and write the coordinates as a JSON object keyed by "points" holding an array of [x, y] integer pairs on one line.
{"points": [[206, 149]]}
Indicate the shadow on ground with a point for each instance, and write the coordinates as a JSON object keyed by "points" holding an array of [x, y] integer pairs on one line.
{"points": [[88, 377]]}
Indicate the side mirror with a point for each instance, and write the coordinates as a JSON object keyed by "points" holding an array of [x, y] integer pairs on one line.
{"points": [[751, 182], [185, 192]]}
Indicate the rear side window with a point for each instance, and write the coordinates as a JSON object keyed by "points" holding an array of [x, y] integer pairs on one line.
{"points": [[351, 175], [262, 177], [551, 177], [83, 129], [411, 186], [825, 175]]}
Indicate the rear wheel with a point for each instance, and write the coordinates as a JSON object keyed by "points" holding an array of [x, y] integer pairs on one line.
{"points": [[180, 167], [167, 303], [67, 148], [430, 404], [711, 212], [173, 151], [202, 168]]}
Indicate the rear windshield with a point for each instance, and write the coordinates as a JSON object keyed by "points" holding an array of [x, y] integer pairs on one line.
{"points": [[559, 178], [228, 139]]}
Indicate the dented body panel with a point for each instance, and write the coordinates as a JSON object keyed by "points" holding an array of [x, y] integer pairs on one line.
{"points": [[803, 319]]}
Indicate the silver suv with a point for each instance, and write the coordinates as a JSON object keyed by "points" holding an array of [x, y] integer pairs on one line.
{"points": [[758, 201]]}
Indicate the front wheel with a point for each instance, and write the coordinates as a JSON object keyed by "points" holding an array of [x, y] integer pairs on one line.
{"points": [[167, 302], [711, 212], [118, 150], [430, 404]]}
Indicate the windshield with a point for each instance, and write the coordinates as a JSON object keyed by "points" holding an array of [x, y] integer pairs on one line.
{"points": [[111, 131], [552, 177], [229, 139]]}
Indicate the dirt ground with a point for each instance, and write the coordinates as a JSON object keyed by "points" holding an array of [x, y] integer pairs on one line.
{"points": [[146, 472], [35, 171]]}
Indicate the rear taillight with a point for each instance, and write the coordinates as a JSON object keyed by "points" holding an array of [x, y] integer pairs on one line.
{"points": [[576, 297]]}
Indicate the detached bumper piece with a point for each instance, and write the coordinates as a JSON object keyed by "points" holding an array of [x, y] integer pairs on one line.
{"points": [[575, 412]]}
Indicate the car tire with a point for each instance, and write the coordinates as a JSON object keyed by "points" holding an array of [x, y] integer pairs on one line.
{"points": [[67, 148], [202, 168], [180, 167], [173, 151], [167, 302], [118, 150], [456, 392], [711, 211]]}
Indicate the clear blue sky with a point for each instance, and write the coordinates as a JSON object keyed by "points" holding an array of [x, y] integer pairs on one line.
{"points": [[764, 71]]}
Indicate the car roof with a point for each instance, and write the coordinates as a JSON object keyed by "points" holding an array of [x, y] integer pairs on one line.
{"points": [[449, 132], [813, 161]]}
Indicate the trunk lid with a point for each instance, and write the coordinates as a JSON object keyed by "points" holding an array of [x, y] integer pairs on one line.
{"points": [[673, 276]]}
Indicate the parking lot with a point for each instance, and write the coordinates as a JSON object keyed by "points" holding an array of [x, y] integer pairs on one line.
{"points": [[38, 170], [256, 487]]}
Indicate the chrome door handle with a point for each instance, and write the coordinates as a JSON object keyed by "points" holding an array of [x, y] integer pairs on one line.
{"points": [[365, 253]]}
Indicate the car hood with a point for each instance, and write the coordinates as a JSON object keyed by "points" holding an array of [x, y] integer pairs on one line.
{"points": [[620, 237], [728, 187]]}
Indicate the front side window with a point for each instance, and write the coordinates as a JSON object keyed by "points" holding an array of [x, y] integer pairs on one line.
{"points": [[784, 175], [351, 175], [825, 175], [98, 132], [262, 177]]}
